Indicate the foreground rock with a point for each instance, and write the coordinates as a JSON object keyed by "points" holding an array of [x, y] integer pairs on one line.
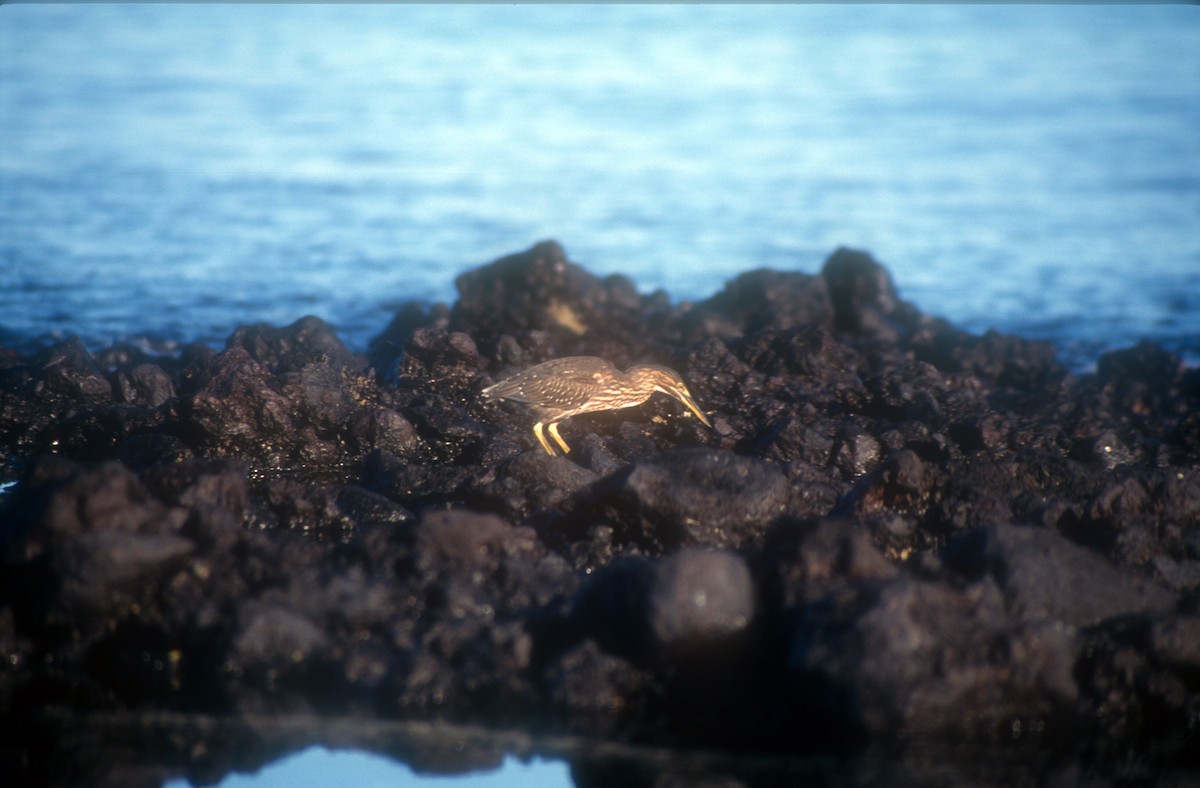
{"points": [[895, 530]]}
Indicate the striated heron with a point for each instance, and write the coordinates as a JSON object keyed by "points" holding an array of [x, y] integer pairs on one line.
{"points": [[566, 387]]}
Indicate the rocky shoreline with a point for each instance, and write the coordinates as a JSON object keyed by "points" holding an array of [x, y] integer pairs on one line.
{"points": [[896, 531]]}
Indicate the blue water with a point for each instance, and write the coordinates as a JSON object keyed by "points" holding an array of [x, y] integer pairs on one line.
{"points": [[172, 172], [318, 767]]}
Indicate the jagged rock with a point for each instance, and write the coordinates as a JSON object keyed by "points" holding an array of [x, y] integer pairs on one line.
{"points": [[694, 497], [894, 529], [540, 290], [766, 299], [906, 656], [147, 385], [1044, 576], [292, 347]]}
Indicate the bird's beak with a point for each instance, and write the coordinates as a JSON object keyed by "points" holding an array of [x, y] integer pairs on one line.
{"points": [[686, 398]]}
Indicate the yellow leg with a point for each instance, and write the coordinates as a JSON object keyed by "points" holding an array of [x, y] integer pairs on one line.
{"points": [[554, 434], [537, 430]]}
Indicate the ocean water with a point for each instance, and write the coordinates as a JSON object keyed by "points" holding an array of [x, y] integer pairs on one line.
{"points": [[171, 172]]}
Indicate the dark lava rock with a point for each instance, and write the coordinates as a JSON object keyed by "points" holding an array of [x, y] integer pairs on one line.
{"points": [[529, 482], [766, 299], [1008, 360], [147, 385], [235, 411], [693, 602], [1044, 576], [801, 559], [1141, 377], [904, 656], [697, 597], [37, 394], [597, 691], [896, 535], [864, 298], [541, 290], [436, 356], [68, 374], [294, 346], [694, 497], [873, 651]]}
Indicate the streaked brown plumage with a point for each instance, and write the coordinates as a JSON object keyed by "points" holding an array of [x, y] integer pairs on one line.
{"points": [[566, 387]]}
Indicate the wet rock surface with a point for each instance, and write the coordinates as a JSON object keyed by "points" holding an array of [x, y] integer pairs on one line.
{"points": [[895, 531]]}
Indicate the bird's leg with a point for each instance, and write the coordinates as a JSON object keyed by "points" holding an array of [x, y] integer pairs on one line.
{"points": [[537, 430], [554, 434]]}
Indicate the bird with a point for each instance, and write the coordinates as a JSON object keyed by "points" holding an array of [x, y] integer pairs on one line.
{"points": [[564, 387]]}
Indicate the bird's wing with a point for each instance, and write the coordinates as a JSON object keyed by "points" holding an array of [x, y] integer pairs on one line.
{"points": [[554, 383]]}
